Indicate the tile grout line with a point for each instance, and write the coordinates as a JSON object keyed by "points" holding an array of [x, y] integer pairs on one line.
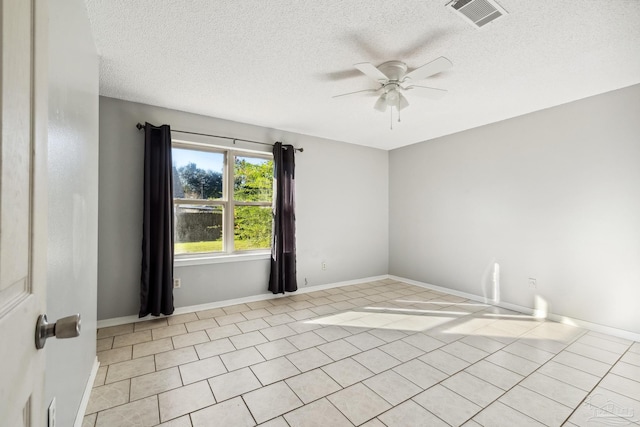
{"points": [[246, 406], [157, 396], [595, 386], [596, 337], [588, 357]]}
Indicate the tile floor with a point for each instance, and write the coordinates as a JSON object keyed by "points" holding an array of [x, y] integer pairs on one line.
{"points": [[375, 354]]}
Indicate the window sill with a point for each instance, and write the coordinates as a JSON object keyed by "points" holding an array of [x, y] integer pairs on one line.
{"points": [[204, 259]]}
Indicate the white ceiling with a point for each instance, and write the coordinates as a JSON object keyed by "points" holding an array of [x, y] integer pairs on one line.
{"points": [[278, 63]]}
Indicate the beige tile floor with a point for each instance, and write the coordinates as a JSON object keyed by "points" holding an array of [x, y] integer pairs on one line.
{"points": [[375, 354]]}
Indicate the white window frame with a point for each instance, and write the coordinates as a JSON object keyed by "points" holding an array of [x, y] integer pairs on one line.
{"points": [[228, 204]]}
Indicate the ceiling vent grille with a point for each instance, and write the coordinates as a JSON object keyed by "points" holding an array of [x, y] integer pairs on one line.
{"points": [[477, 12]]}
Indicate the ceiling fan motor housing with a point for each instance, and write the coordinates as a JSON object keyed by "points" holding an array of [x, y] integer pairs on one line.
{"points": [[394, 70]]}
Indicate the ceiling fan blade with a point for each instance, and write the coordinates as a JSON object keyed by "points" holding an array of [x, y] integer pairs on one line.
{"points": [[381, 103], [369, 70], [358, 91], [427, 92], [402, 102], [434, 67]]}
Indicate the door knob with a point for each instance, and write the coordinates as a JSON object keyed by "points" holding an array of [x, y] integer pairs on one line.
{"points": [[67, 327]]}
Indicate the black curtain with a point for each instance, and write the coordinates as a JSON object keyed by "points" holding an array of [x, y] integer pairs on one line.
{"points": [[283, 248], [156, 284]]}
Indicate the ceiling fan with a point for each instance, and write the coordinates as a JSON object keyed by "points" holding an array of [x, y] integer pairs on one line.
{"points": [[393, 78]]}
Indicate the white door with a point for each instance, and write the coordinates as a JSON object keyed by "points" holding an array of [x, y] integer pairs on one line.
{"points": [[23, 210]]}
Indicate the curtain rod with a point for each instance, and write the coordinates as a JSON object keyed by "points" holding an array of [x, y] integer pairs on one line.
{"points": [[140, 126]]}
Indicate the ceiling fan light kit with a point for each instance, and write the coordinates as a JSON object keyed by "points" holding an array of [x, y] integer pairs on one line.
{"points": [[393, 79]]}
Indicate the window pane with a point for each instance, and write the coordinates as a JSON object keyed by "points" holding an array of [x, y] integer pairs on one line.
{"points": [[197, 174], [198, 228], [252, 226], [253, 179]]}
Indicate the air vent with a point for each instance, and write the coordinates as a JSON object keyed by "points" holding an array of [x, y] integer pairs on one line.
{"points": [[477, 12]]}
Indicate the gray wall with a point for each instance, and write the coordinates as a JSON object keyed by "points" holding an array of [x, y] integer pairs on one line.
{"points": [[73, 202], [553, 195], [342, 211]]}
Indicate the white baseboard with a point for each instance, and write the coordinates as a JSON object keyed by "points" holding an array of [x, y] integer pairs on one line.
{"points": [[190, 309], [87, 393], [621, 333], [521, 309]]}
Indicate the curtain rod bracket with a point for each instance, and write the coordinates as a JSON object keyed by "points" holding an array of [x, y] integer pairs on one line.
{"points": [[140, 126]]}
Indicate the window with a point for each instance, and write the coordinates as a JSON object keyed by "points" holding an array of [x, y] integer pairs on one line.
{"points": [[222, 200]]}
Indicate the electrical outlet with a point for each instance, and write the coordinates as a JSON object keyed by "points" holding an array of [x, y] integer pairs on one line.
{"points": [[52, 414], [532, 283], [176, 283], [323, 265]]}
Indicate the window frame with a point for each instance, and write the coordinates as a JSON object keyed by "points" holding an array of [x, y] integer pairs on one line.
{"points": [[227, 201]]}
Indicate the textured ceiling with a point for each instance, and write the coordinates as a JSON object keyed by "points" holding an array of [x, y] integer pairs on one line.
{"points": [[278, 63]]}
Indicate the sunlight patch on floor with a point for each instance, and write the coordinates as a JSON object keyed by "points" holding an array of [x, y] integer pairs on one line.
{"points": [[419, 311], [385, 320], [510, 316], [445, 303]]}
